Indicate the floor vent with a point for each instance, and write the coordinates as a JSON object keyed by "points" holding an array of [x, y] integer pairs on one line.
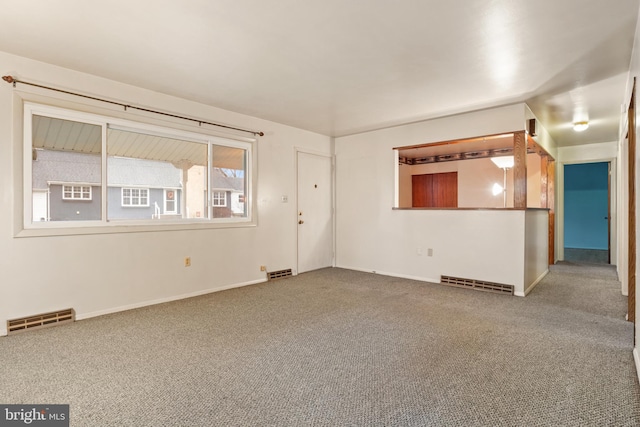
{"points": [[41, 321], [280, 274], [479, 285]]}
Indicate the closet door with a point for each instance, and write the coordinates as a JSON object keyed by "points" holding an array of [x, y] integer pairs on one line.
{"points": [[435, 190]]}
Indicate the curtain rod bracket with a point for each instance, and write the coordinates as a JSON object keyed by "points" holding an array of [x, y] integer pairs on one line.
{"points": [[11, 79]]}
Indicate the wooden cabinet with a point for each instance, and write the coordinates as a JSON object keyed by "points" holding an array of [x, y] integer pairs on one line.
{"points": [[435, 190]]}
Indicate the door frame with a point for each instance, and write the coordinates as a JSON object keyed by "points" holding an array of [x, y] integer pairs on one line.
{"points": [[631, 229], [297, 151], [613, 194]]}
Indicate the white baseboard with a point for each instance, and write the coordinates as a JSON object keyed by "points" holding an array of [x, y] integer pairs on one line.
{"points": [[384, 273], [163, 300], [636, 358], [533, 285], [82, 316]]}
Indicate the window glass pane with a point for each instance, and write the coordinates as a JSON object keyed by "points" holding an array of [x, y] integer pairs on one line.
{"points": [[149, 175], [66, 170], [228, 181], [143, 168]]}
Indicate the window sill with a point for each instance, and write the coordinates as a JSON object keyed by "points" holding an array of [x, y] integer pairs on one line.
{"points": [[470, 209], [118, 227]]}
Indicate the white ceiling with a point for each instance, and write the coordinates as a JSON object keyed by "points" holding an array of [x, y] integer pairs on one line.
{"points": [[340, 67]]}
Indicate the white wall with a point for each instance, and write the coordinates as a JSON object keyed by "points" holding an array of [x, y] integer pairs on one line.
{"points": [[101, 273], [536, 252], [622, 180], [371, 236]]}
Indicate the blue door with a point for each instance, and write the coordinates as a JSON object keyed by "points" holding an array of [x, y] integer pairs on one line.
{"points": [[586, 212]]}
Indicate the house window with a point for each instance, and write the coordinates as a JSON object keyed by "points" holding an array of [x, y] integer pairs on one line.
{"points": [[135, 197], [111, 165], [76, 192], [219, 198]]}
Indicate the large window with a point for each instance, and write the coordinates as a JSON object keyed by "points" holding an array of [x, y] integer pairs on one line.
{"points": [[106, 171]]}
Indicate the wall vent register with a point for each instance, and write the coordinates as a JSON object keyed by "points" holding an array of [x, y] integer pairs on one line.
{"points": [[478, 285], [280, 274], [40, 321]]}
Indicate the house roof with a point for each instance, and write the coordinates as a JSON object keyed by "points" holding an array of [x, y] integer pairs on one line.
{"points": [[70, 167], [220, 181], [123, 171], [60, 166]]}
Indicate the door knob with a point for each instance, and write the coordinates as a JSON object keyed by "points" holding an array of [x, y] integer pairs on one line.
{"points": [[301, 222]]}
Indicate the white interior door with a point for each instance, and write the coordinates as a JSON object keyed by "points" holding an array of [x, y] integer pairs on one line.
{"points": [[315, 212]]}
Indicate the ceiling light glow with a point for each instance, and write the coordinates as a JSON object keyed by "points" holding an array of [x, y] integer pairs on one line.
{"points": [[503, 162], [580, 126]]}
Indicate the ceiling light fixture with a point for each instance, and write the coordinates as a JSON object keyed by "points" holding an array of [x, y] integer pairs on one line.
{"points": [[580, 126], [503, 162]]}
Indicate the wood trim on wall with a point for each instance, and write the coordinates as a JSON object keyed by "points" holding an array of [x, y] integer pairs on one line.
{"points": [[519, 170], [544, 180], [551, 205], [609, 213]]}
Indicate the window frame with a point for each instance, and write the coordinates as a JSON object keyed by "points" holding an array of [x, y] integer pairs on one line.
{"points": [[24, 206]]}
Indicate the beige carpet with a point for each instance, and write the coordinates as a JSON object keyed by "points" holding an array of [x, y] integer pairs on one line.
{"points": [[337, 347]]}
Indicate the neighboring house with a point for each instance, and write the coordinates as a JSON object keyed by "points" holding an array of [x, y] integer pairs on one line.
{"points": [[143, 189], [227, 194], [66, 187]]}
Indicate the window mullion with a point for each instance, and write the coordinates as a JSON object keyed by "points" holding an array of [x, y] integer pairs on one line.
{"points": [[209, 195], [104, 189]]}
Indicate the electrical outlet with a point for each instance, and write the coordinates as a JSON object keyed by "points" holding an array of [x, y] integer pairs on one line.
{"points": [[187, 261], [263, 268], [429, 252]]}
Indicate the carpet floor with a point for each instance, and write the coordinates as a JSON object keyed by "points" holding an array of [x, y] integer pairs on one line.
{"points": [[336, 347]]}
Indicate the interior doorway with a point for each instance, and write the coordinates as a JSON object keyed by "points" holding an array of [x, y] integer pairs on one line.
{"points": [[587, 218]]}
